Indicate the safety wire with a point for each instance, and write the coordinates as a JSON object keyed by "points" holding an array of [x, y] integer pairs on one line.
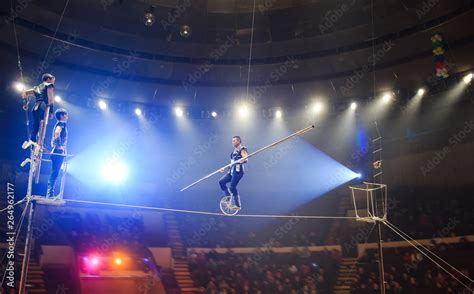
{"points": [[431, 252], [250, 49], [405, 237], [17, 234], [20, 67]]}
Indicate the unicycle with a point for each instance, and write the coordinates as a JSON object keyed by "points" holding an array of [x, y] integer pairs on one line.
{"points": [[227, 207]]}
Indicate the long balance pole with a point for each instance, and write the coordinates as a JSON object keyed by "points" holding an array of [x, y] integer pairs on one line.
{"points": [[300, 132]]}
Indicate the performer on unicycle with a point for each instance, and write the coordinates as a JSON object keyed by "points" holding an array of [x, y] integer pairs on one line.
{"points": [[58, 143], [235, 172]]}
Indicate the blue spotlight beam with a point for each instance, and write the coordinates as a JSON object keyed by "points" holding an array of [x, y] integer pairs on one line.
{"points": [[300, 132]]}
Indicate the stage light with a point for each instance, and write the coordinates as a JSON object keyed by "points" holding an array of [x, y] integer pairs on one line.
{"points": [[318, 106], [178, 111], [138, 111], [114, 171], [118, 261], [421, 91], [95, 261], [278, 114], [467, 78], [243, 111], [57, 99], [214, 114], [102, 105], [185, 31], [20, 87], [359, 175], [353, 105], [149, 17], [386, 97]]}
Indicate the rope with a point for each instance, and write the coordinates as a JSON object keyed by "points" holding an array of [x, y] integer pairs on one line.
{"points": [[20, 67], [206, 212], [55, 31], [17, 234], [250, 49], [393, 228], [19, 202], [427, 249]]}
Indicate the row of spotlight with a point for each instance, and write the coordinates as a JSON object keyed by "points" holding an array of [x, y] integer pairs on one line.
{"points": [[244, 110]]}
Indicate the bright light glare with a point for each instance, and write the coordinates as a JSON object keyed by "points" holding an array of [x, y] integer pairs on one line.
{"points": [[57, 98], [353, 105], [214, 114], [386, 97], [20, 87], [243, 111], [95, 261], [138, 111], [178, 111], [318, 106], [421, 92], [102, 105], [468, 78], [114, 171], [278, 114]]}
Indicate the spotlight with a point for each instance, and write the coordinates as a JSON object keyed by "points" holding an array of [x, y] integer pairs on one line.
{"points": [[243, 111], [467, 78], [114, 171], [102, 105], [118, 261], [214, 114], [386, 97], [94, 261], [138, 111], [421, 91], [278, 114], [149, 17], [353, 105], [20, 87], [57, 98], [358, 175], [178, 111], [318, 107], [185, 31]]}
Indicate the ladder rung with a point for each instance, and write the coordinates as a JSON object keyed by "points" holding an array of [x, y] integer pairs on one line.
{"points": [[376, 151]]}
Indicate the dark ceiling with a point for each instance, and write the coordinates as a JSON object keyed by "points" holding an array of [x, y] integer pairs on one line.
{"points": [[325, 42]]}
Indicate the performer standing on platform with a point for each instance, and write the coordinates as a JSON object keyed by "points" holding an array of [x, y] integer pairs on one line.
{"points": [[235, 173], [44, 97], [58, 143]]}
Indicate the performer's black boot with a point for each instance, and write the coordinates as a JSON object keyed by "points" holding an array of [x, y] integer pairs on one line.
{"points": [[236, 201]]}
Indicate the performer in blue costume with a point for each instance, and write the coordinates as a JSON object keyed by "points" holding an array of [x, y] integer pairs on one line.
{"points": [[58, 142], [235, 172]]}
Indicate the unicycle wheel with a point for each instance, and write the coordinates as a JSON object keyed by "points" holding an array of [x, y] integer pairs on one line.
{"points": [[226, 206]]}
